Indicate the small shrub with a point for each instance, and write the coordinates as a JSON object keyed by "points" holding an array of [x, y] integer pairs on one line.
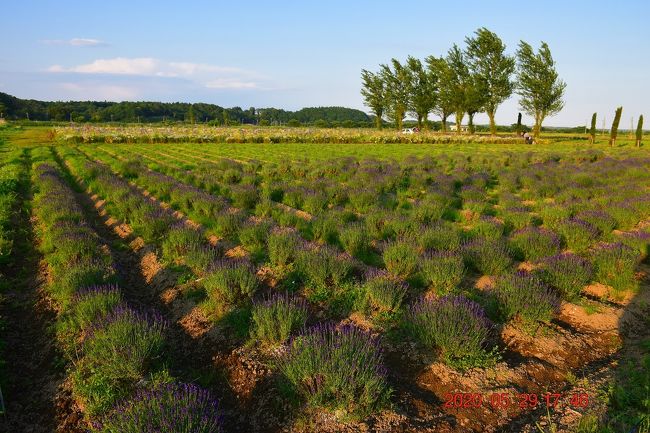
{"points": [[253, 237], [355, 240], [383, 293], [524, 296], [489, 257], [568, 273], [639, 241], [227, 224], [276, 318], [230, 282], [487, 228], [151, 222], [440, 237], [323, 270], [325, 229], [282, 248], [578, 235], [442, 271], [337, 369], [625, 215], [180, 240], [171, 407], [244, 196], [533, 243], [400, 258], [600, 219], [87, 307], [201, 258], [118, 352], [455, 325], [614, 265]]}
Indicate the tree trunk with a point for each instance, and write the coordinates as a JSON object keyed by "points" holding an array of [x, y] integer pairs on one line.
{"points": [[378, 120], [459, 120], [638, 143], [419, 121], [493, 126], [538, 125], [470, 122], [444, 123]]}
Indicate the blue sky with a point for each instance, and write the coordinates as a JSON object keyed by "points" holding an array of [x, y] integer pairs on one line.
{"points": [[295, 54]]}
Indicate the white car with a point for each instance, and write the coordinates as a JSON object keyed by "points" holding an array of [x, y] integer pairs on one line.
{"points": [[408, 131]]}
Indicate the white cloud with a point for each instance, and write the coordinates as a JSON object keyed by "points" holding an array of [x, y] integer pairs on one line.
{"points": [[210, 76], [230, 83], [76, 42]]}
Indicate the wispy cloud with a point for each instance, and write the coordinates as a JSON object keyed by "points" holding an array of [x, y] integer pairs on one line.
{"points": [[210, 76], [107, 92], [76, 42]]}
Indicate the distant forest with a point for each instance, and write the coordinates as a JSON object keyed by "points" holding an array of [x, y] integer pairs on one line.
{"points": [[13, 108]]}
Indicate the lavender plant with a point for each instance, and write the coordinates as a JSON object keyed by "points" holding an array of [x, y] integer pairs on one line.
{"points": [[400, 259], [230, 282], [489, 257], [524, 296], [274, 319], [383, 293], [170, 408], [337, 369], [455, 326], [568, 273], [534, 243], [442, 271], [614, 265], [118, 353]]}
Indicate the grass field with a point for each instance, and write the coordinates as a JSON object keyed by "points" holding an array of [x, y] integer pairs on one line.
{"points": [[486, 285]]}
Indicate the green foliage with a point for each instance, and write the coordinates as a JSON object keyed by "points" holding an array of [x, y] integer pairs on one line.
{"points": [[524, 296], [614, 265], [337, 369], [538, 84], [117, 355], [282, 248], [592, 128], [355, 240], [396, 82], [442, 271], [276, 318], [532, 244], [384, 293], [230, 282], [614, 131], [492, 70], [489, 257], [455, 326], [639, 130], [400, 258], [374, 94]]}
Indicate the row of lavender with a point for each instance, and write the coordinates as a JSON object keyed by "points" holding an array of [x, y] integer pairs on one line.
{"points": [[360, 386], [570, 223], [114, 351], [326, 277]]}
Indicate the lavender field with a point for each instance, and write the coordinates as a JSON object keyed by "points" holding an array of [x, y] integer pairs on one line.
{"points": [[441, 287]]}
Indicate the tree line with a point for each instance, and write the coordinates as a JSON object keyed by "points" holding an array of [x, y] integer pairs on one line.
{"points": [[129, 112], [475, 79]]}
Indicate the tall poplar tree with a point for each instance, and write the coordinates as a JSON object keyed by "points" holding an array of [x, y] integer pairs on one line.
{"points": [[592, 129], [422, 90], [439, 67], [492, 68], [397, 82], [614, 132], [374, 94], [538, 84], [639, 131]]}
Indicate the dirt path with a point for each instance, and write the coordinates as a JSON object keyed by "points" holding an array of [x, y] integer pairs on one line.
{"points": [[34, 372]]}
